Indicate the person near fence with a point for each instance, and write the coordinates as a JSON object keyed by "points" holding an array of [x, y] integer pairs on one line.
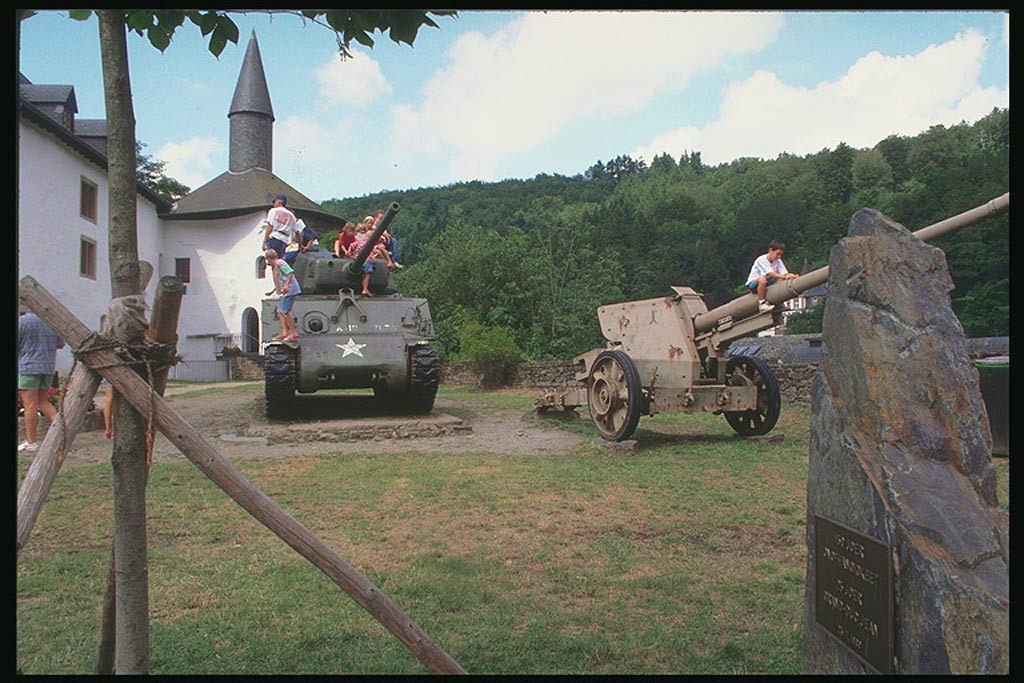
{"points": [[108, 408], [37, 361]]}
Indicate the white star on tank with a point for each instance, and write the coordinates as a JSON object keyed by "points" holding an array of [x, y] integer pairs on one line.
{"points": [[351, 348]]}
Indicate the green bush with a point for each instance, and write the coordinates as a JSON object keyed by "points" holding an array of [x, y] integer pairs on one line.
{"points": [[807, 322], [491, 351]]}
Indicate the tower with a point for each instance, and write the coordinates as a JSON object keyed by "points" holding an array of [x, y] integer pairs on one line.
{"points": [[251, 116]]}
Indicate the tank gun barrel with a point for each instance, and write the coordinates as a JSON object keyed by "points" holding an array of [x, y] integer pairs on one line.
{"points": [[746, 305], [364, 253]]}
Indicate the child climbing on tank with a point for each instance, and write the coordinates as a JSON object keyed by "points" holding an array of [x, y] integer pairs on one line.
{"points": [[288, 287]]}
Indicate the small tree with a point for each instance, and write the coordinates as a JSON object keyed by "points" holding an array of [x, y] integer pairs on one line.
{"points": [[807, 322], [150, 173], [491, 351]]}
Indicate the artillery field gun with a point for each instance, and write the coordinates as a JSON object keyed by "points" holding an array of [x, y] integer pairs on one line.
{"points": [[348, 340], [671, 355]]}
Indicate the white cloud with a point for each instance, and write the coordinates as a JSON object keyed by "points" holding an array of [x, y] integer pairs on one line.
{"points": [[878, 96], [510, 92], [190, 162], [356, 82], [303, 148]]}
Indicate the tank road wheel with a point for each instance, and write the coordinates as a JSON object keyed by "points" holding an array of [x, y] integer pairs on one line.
{"points": [[424, 378], [614, 395], [279, 380], [741, 370]]}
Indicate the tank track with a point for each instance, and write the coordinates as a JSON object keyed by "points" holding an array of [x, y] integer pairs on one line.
{"points": [[424, 378], [279, 380]]}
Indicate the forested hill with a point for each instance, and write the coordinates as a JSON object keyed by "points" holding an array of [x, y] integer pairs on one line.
{"points": [[539, 256]]}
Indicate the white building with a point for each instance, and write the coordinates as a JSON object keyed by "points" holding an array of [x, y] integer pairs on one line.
{"points": [[209, 238]]}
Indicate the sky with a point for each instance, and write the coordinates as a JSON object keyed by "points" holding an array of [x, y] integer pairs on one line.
{"points": [[491, 95]]}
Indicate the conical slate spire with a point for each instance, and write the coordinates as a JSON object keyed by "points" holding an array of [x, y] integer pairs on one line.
{"points": [[251, 116]]}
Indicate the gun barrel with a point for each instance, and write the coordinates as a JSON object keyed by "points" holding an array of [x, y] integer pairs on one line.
{"points": [[784, 290], [364, 253]]}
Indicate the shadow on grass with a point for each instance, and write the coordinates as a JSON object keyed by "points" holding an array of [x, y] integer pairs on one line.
{"points": [[647, 439], [327, 407]]}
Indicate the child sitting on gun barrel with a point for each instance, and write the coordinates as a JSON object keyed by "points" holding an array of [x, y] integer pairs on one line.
{"points": [[768, 267]]}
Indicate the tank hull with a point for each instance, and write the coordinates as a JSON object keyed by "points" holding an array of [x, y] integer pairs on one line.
{"points": [[349, 341]]}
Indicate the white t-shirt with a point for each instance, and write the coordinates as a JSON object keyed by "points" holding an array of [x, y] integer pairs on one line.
{"points": [[762, 266], [282, 223]]}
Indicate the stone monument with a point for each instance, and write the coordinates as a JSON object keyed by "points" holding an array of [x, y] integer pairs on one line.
{"points": [[907, 550]]}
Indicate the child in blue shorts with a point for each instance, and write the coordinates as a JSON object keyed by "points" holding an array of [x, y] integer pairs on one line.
{"points": [[288, 287]]}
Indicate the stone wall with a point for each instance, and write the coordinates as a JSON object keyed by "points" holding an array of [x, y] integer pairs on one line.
{"points": [[551, 374], [792, 358], [245, 367]]}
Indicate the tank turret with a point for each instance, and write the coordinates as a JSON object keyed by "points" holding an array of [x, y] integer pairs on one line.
{"points": [[321, 272]]}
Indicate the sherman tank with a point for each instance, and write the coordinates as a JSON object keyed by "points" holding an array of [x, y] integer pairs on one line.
{"points": [[348, 340]]}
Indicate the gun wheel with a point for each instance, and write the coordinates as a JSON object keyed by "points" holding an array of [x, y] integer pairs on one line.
{"points": [[744, 370], [614, 395]]}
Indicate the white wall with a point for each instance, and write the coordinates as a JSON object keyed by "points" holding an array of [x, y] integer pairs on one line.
{"points": [[224, 282], [50, 227]]}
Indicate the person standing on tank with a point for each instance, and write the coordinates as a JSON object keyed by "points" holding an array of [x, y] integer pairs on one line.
{"points": [[288, 287], [279, 226]]}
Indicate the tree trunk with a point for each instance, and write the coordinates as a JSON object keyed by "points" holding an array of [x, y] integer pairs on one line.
{"points": [[128, 457], [163, 329]]}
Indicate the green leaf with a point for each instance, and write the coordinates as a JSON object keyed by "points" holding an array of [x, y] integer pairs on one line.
{"points": [[361, 37], [227, 27], [217, 42], [339, 21], [405, 25], [80, 14], [208, 22], [158, 38], [170, 20], [140, 20]]}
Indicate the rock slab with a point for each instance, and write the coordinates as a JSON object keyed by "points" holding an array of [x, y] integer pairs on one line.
{"points": [[900, 451]]}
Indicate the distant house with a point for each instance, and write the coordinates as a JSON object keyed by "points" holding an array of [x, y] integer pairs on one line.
{"points": [[209, 238], [806, 300]]}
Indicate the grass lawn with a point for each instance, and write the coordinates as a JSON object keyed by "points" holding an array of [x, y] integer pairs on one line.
{"points": [[684, 555]]}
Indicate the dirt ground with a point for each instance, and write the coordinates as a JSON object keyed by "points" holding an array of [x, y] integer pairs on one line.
{"points": [[234, 422]]}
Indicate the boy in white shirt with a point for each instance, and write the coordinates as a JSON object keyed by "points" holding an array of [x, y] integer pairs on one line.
{"points": [[766, 268]]}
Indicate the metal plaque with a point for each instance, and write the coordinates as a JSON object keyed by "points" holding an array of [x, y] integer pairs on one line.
{"points": [[853, 591]]}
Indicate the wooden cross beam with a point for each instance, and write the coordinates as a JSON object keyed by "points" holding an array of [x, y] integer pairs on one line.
{"points": [[219, 469]]}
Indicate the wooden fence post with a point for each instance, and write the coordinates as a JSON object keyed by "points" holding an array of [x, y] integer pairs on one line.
{"points": [[163, 329]]}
